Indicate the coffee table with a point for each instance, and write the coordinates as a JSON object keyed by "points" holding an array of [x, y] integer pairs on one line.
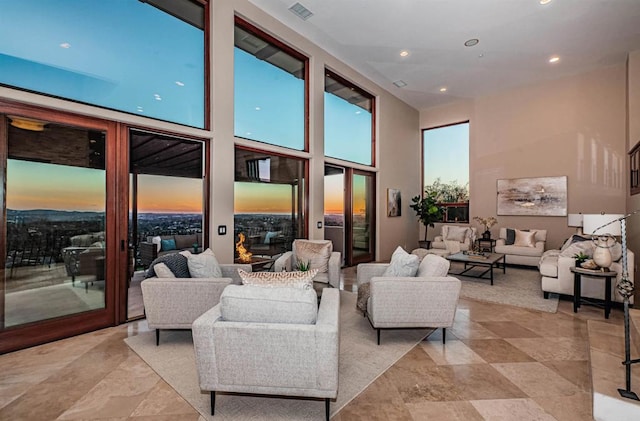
{"points": [[488, 260]]}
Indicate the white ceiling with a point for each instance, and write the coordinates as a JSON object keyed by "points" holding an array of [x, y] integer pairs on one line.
{"points": [[517, 37]]}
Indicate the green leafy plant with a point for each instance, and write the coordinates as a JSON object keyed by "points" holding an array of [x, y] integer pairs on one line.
{"points": [[303, 266], [427, 210], [580, 258]]}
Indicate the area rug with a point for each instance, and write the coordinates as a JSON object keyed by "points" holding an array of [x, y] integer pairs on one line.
{"points": [[518, 287], [361, 362]]}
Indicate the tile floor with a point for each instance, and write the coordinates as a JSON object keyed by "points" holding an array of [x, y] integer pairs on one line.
{"points": [[499, 363]]}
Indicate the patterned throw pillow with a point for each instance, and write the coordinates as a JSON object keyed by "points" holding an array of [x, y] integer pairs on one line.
{"points": [[300, 280], [316, 254], [204, 265], [176, 262]]}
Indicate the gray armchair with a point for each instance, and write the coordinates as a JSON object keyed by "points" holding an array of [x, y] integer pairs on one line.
{"points": [[285, 322], [174, 303], [408, 302], [289, 261]]}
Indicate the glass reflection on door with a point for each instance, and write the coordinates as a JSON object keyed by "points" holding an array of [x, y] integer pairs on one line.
{"points": [[55, 222]]}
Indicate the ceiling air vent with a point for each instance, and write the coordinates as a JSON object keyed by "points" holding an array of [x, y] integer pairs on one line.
{"points": [[301, 11]]}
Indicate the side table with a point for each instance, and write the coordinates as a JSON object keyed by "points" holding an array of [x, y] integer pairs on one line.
{"points": [[577, 286], [486, 244]]}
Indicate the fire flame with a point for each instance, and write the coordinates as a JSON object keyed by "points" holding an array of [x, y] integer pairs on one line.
{"points": [[243, 254]]}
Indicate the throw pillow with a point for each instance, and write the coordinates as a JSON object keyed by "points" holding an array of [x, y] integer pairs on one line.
{"points": [[271, 235], [433, 265], [457, 234], [316, 254], [163, 271], [300, 280], [525, 239], [402, 264], [157, 241], [204, 265], [584, 247], [511, 237], [176, 262], [166, 245]]}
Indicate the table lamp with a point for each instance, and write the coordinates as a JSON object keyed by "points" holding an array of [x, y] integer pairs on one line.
{"points": [[575, 220]]}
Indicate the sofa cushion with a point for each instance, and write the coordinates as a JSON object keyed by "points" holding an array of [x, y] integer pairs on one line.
{"points": [[525, 239], [250, 303], [402, 264], [185, 241], [433, 265], [296, 279], [519, 251], [317, 254], [204, 265], [176, 262]]}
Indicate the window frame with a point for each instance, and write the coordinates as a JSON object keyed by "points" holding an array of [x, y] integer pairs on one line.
{"points": [[255, 31], [445, 205], [343, 81]]}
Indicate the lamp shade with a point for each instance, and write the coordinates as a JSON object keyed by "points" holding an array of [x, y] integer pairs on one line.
{"points": [[598, 224], [574, 220]]}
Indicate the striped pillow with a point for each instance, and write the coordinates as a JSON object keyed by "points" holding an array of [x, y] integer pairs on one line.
{"points": [[301, 280]]}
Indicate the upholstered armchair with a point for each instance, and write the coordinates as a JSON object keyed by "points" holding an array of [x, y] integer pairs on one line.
{"points": [[282, 322], [428, 300], [174, 303], [464, 235], [319, 254]]}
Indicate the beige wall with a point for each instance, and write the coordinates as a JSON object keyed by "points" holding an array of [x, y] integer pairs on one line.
{"points": [[397, 133], [573, 126]]}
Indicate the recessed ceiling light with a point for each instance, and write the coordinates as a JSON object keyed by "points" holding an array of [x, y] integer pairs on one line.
{"points": [[400, 83], [471, 42], [543, 2], [443, 89], [404, 53], [179, 83], [301, 11], [65, 45], [554, 59]]}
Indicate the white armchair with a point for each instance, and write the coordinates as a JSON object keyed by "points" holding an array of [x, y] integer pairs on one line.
{"points": [[174, 303], [328, 275], [409, 302], [464, 235], [253, 321]]}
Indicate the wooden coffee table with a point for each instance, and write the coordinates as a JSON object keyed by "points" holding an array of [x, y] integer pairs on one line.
{"points": [[488, 260]]}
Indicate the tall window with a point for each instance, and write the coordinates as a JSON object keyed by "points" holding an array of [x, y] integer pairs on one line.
{"points": [[446, 168], [348, 120], [269, 203], [126, 55], [269, 97]]}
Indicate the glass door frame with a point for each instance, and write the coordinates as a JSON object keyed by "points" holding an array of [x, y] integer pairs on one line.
{"points": [[49, 330], [348, 173]]}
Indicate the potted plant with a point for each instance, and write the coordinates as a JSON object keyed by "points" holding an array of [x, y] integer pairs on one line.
{"points": [[428, 212], [580, 259]]}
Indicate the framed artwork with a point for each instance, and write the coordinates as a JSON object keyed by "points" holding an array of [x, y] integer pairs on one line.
{"points": [[394, 203], [541, 196]]}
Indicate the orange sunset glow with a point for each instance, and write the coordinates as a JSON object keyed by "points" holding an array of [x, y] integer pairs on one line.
{"points": [[262, 198], [158, 194]]}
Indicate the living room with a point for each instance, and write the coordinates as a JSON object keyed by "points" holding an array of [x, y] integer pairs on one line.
{"points": [[581, 126]]}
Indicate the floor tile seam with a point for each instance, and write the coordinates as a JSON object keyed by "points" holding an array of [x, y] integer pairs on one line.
{"points": [[150, 391]]}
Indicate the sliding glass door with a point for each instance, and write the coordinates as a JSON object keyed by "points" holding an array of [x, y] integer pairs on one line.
{"points": [[55, 225]]}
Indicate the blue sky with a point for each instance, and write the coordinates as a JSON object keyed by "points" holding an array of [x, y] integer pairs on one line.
{"points": [[446, 154]]}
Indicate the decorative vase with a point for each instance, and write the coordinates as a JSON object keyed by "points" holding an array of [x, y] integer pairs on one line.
{"points": [[486, 235], [601, 252]]}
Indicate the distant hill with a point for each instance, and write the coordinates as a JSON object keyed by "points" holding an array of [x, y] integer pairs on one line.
{"points": [[52, 215]]}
